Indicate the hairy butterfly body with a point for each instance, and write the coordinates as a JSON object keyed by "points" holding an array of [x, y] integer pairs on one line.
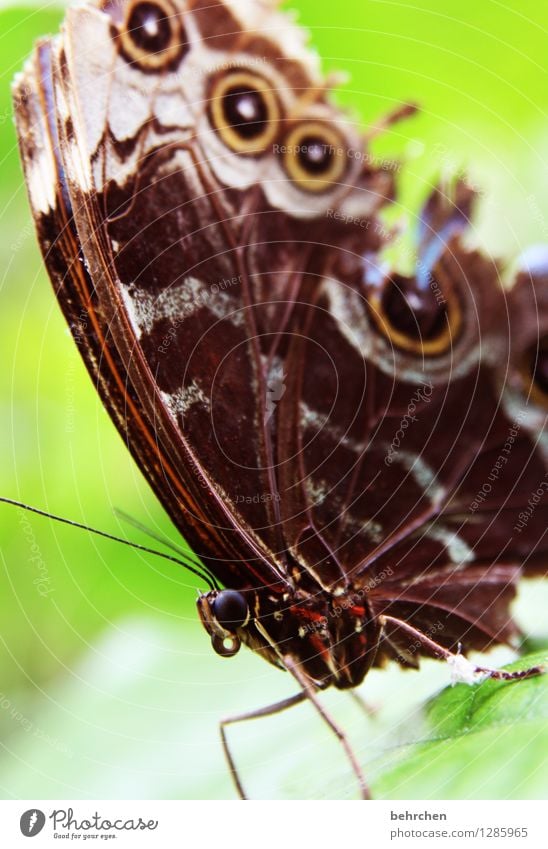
{"points": [[348, 449]]}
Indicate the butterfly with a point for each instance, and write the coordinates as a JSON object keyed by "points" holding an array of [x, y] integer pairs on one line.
{"points": [[353, 452]]}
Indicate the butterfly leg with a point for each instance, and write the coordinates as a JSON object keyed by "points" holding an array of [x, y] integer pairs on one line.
{"points": [[310, 693], [369, 710], [269, 710], [462, 668]]}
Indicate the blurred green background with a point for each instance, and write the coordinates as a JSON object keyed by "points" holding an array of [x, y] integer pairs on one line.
{"points": [[108, 685]]}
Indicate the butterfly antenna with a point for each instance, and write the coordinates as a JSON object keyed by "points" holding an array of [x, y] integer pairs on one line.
{"points": [[138, 525], [181, 561]]}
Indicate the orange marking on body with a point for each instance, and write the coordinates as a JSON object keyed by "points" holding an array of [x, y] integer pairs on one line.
{"points": [[304, 613]]}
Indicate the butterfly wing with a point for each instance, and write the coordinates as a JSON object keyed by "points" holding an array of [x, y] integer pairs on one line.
{"points": [[248, 342], [146, 429], [158, 293]]}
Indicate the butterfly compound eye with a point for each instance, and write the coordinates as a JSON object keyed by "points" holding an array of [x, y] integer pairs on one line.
{"points": [[314, 156], [230, 610], [244, 110], [420, 319], [152, 35]]}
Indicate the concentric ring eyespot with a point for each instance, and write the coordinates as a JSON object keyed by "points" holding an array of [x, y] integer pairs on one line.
{"points": [[152, 35], [244, 111], [422, 320], [535, 370], [314, 156]]}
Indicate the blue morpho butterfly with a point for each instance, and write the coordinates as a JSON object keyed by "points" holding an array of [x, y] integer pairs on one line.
{"points": [[350, 451]]}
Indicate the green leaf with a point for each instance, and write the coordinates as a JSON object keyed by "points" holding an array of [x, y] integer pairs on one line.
{"points": [[483, 741]]}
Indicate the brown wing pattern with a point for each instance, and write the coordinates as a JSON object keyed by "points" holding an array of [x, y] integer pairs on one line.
{"points": [[310, 420], [175, 485]]}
